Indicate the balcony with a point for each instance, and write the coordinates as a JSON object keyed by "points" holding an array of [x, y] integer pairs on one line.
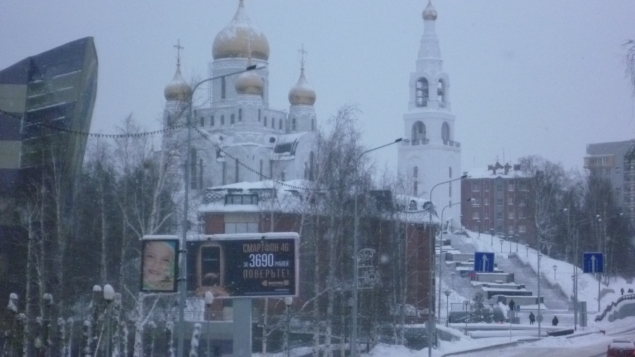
{"points": [[455, 144], [419, 142]]}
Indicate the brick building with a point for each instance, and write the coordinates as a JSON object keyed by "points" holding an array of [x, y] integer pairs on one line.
{"points": [[252, 207], [499, 202]]}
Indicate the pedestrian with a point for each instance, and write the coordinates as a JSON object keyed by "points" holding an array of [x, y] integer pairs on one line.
{"points": [[511, 305], [622, 291], [532, 318], [555, 321]]}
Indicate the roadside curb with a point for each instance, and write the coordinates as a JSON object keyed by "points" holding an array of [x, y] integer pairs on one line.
{"points": [[492, 347], [582, 334]]}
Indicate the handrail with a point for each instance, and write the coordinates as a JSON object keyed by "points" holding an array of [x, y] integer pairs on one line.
{"points": [[613, 304]]}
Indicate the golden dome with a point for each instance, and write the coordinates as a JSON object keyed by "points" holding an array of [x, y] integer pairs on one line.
{"points": [[239, 38], [430, 13], [302, 93], [249, 83], [178, 88]]}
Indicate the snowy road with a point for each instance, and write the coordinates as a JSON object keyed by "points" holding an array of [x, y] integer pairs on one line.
{"points": [[588, 346]]}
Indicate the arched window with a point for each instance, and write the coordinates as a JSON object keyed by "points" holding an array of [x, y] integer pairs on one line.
{"points": [[233, 119], [240, 114], [293, 124], [418, 136], [260, 171], [273, 123], [259, 113], [222, 88], [265, 121], [311, 163], [441, 93], [211, 123], [237, 172], [280, 124], [202, 119], [222, 120], [422, 93], [445, 133], [312, 124]]}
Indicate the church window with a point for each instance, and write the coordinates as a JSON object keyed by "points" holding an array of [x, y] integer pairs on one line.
{"points": [[200, 173], [280, 124], [271, 169], [312, 124], [222, 120], [418, 136], [445, 133], [441, 93], [450, 172], [273, 123], [416, 188], [293, 124], [282, 177], [232, 119], [222, 88], [265, 121], [422, 92], [240, 114], [202, 121], [211, 122], [259, 114]]}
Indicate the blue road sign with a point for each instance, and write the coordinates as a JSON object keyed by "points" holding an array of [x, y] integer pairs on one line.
{"points": [[483, 262], [593, 262]]}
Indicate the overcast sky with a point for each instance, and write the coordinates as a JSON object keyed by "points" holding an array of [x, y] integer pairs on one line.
{"points": [[527, 77]]}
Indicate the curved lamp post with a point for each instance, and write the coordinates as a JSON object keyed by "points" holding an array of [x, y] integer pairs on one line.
{"points": [[432, 254], [183, 267], [109, 295], [209, 299], [287, 303], [355, 249]]}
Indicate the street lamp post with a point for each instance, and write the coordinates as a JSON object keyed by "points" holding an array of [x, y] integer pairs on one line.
{"points": [[527, 249], [491, 233], [355, 249], [447, 306], [517, 240], [500, 240], [555, 267], [431, 274], [287, 303], [109, 295], [209, 299], [183, 266], [441, 259], [452, 280]]}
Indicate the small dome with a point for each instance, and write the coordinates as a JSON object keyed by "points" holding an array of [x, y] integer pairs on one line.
{"points": [[249, 83], [430, 13], [239, 38], [178, 88], [302, 93]]}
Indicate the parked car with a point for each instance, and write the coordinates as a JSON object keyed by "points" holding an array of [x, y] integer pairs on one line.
{"points": [[620, 347]]}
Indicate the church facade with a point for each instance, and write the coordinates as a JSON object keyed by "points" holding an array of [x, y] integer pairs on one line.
{"points": [[236, 136], [431, 155]]}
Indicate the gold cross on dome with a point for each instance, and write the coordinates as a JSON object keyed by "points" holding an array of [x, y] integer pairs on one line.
{"points": [[302, 53], [178, 51]]}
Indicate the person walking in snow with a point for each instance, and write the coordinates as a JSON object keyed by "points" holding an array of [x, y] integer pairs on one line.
{"points": [[622, 291], [555, 321], [532, 318]]}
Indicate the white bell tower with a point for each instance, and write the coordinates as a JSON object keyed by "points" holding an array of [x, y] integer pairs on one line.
{"points": [[431, 154]]}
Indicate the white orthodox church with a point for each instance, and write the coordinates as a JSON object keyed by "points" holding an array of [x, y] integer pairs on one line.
{"points": [[259, 142], [431, 155], [237, 136]]}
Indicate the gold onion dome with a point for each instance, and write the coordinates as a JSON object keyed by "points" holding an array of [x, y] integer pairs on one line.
{"points": [[430, 13], [302, 93], [249, 83], [239, 38], [178, 88]]}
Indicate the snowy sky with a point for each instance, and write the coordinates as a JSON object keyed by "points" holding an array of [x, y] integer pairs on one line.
{"points": [[527, 77]]}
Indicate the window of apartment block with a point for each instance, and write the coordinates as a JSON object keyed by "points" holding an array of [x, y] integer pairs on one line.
{"points": [[510, 186], [510, 215], [485, 186], [522, 229], [486, 201], [510, 201], [486, 215], [521, 214], [474, 215], [241, 227], [499, 215], [475, 202], [499, 201], [475, 187]]}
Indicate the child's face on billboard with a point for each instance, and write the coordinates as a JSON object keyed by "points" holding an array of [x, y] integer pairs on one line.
{"points": [[158, 259]]}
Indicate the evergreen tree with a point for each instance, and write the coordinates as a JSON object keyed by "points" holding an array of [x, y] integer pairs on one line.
{"points": [[480, 313]]}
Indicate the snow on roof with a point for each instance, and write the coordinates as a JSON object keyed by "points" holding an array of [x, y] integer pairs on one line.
{"points": [[483, 173]]}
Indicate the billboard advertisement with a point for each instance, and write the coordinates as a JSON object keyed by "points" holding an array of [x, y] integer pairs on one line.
{"points": [[159, 268], [243, 265]]}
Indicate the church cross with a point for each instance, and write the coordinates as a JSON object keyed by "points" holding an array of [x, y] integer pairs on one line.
{"points": [[178, 52], [302, 53]]}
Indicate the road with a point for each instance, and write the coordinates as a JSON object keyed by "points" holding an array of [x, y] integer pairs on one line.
{"points": [[578, 347]]}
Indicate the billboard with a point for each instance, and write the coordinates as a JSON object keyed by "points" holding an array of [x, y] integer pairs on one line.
{"points": [[159, 268], [243, 265]]}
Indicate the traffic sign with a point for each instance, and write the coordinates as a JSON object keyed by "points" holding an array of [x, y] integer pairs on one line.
{"points": [[483, 262], [593, 262]]}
